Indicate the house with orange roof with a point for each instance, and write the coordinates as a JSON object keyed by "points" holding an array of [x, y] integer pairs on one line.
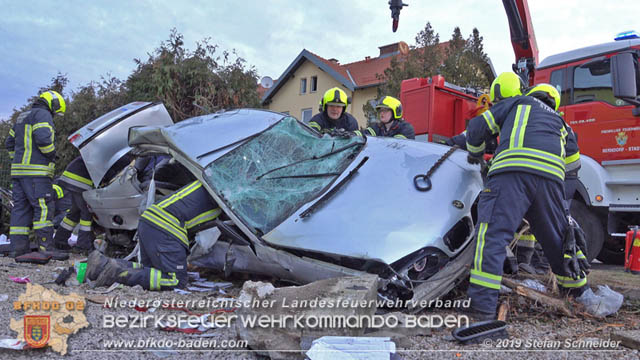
{"points": [[299, 89]]}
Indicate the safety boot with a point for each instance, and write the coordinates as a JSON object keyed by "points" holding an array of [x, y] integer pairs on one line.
{"points": [[95, 264], [112, 272]]}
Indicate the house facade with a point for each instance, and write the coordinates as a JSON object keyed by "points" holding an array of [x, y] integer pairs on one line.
{"points": [[299, 89]]}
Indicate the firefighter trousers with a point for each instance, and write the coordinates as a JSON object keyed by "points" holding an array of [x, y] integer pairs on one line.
{"points": [[32, 208], [79, 213], [163, 261], [506, 200]]}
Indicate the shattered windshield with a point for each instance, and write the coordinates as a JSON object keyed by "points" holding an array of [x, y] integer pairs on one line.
{"points": [[266, 179]]}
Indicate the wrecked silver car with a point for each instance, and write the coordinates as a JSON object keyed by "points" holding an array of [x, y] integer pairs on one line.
{"points": [[302, 206]]}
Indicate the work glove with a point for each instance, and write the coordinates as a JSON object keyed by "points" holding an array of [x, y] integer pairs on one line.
{"points": [[339, 133], [474, 159], [581, 245], [570, 263]]}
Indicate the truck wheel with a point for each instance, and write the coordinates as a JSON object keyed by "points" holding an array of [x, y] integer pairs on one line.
{"points": [[612, 253], [592, 227]]}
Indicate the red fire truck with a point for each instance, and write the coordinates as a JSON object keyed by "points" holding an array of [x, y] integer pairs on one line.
{"points": [[599, 86]]}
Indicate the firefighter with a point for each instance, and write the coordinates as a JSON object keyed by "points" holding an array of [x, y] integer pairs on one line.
{"points": [[528, 249], [391, 122], [333, 112], [525, 180], [31, 147], [164, 242], [62, 204], [75, 180]]}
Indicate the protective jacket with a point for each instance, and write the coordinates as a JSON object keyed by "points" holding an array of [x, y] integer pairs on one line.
{"points": [[399, 129], [533, 137], [181, 211], [76, 177], [345, 121], [31, 143]]}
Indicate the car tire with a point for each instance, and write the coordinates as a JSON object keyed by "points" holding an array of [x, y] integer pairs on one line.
{"points": [[591, 225]]}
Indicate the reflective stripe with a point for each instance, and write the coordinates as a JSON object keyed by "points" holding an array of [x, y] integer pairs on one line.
{"points": [[400, 136], [19, 230], [41, 225], [204, 217], [315, 125], [519, 127], [357, 132], [371, 131], [12, 154], [172, 281], [527, 237], [580, 255], [46, 149], [154, 279], [572, 158], [65, 225], [59, 191], [476, 149], [568, 282], [491, 122], [69, 222], [477, 261], [32, 169], [531, 152], [485, 279], [527, 163], [12, 133], [43, 210], [85, 225], [41, 125], [136, 265], [180, 194], [72, 176], [168, 218], [26, 157], [165, 226]]}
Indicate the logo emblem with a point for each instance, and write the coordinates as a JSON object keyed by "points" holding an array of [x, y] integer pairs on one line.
{"points": [[36, 330], [621, 138]]}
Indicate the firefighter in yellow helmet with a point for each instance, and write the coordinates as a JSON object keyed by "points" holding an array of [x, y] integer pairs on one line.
{"points": [[32, 150], [391, 122], [333, 112], [525, 180]]}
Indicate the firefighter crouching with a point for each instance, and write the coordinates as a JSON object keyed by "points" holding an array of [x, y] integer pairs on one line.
{"points": [[164, 242], [31, 147], [75, 180], [391, 122], [525, 180]]}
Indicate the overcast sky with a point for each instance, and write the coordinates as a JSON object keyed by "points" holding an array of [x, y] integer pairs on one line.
{"points": [[88, 39]]}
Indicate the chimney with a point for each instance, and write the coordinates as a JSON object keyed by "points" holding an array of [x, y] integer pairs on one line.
{"points": [[367, 58], [335, 61], [389, 49]]}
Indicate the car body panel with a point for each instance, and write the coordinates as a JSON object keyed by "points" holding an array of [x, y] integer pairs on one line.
{"points": [[103, 141]]}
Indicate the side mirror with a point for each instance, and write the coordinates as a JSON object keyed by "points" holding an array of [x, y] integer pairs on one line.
{"points": [[625, 76]]}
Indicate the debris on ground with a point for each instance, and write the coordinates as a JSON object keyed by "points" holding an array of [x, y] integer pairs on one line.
{"points": [[602, 302], [351, 348], [20, 280], [302, 302]]}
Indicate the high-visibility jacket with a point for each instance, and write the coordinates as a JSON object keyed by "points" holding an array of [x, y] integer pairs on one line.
{"points": [[76, 177], [31, 143], [399, 129], [182, 211], [533, 137], [345, 121]]}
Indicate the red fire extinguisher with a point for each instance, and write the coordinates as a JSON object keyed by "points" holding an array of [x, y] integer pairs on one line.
{"points": [[632, 251]]}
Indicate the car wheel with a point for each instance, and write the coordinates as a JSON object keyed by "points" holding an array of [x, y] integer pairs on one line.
{"points": [[591, 225]]}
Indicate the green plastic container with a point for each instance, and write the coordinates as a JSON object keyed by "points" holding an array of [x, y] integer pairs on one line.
{"points": [[81, 270]]}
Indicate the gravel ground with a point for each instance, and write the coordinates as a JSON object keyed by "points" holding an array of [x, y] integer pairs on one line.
{"points": [[528, 323]]}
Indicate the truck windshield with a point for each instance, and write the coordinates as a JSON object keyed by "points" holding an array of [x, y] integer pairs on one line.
{"points": [[258, 181]]}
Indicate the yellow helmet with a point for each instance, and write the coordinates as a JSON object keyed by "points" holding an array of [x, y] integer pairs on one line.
{"points": [[55, 101], [506, 85], [388, 102], [546, 93], [334, 96]]}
